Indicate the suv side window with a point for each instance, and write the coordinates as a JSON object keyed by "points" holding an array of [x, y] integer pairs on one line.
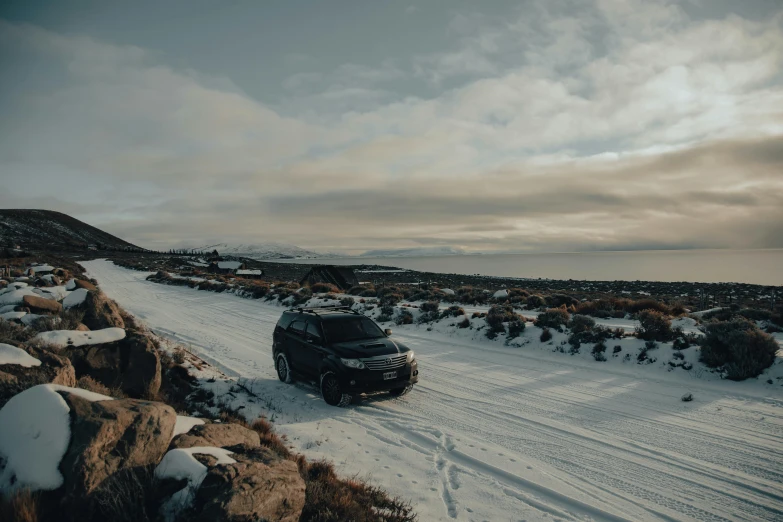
{"points": [[314, 333], [297, 328]]}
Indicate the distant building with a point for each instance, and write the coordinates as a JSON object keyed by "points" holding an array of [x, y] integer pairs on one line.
{"points": [[340, 276], [225, 267], [250, 274]]}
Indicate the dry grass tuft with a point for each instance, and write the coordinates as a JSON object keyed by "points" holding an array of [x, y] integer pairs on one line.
{"points": [[20, 506]]}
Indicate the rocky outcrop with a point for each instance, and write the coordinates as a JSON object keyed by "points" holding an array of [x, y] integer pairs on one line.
{"points": [[101, 312], [81, 283], [41, 305], [54, 369], [217, 435], [259, 486], [132, 365], [110, 436]]}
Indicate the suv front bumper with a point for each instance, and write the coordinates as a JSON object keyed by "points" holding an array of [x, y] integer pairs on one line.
{"points": [[365, 381]]}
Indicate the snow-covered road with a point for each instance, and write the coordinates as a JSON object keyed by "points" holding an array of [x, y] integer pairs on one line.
{"points": [[504, 434]]}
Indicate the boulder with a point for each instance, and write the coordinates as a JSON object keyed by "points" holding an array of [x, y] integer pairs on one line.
{"points": [[132, 364], [81, 283], [54, 369], [218, 435], [110, 436], [142, 374], [259, 486], [81, 327], [41, 305], [101, 312]]}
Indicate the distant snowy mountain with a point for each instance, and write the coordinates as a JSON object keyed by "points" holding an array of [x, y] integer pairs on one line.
{"points": [[261, 251], [421, 251]]}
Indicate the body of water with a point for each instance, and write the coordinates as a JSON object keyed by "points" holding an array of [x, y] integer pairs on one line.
{"points": [[763, 267]]}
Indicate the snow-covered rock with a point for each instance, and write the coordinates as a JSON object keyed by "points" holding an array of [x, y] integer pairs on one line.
{"points": [[34, 435], [13, 355], [71, 284], [12, 316], [15, 296], [77, 338], [185, 423], [447, 291], [180, 464], [75, 298], [500, 294]]}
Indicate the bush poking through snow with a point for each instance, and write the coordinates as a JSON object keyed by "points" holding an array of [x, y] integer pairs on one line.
{"points": [[581, 323], [654, 326], [535, 301], [546, 335], [404, 317], [553, 318], [515, 328], [739, 348], [688, 397], [598, 352], [465, 323]]}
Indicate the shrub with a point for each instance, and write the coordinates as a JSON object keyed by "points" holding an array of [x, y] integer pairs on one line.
{"points": [[499, 314], [634, 307], [581, 323], [739, 347], [331, 499], [546, 335], [347, 301], [465, 323], [558, 300], [357, 290], [179, 355], [535, 301], [598, 352], [20, 506], [404, 317], [386, 313], [453, 311], [617, 349], [553, 318], [654, 326], [86, 382], [515, 328], [429, 307]]}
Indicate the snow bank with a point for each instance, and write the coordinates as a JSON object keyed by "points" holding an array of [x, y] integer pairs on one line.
{"points": [[13, 355], [7, 308], [184, 424], [180, 464], [10, 316], [42, 268], [76, 338], [500, 294], [75, 298], [34, 434]]}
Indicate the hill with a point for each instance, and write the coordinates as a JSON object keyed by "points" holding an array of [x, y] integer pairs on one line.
{"points": [[50, 230], [260, 251]]}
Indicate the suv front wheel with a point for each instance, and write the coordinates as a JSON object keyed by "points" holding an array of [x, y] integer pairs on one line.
{"points": [[332, 392], [283, 369]]}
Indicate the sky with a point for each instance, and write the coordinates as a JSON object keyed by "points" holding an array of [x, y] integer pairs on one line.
{"points": [[529, 126]]}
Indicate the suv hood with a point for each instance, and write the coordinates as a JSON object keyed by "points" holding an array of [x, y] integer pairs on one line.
{"points": [[369, 348]]}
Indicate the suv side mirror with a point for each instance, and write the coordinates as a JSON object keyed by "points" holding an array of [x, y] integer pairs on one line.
{"points": [[387, 332]]}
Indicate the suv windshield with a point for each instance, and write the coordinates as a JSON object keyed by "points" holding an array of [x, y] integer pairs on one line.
{"points": [[351, 329]]}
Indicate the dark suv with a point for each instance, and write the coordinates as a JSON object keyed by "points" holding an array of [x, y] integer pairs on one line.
{"points": [[344, 351]]}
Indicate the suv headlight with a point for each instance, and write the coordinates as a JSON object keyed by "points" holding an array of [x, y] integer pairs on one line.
{"points": [[411, 356], [353, 363]]}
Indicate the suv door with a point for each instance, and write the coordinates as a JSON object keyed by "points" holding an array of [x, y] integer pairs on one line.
{"points": [[313, 351], [295, 336]]}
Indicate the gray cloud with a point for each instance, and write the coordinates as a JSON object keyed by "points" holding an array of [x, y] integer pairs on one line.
{"points": [[559, 126]]}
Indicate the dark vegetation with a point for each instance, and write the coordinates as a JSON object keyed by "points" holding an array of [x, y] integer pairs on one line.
{"points": [[737, 347]]}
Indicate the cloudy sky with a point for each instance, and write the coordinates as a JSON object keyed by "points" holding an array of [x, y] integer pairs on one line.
{"points": [[538, 125]]}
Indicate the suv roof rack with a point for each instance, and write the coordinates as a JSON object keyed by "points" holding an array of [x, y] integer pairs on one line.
{"points": [[327, 308]]}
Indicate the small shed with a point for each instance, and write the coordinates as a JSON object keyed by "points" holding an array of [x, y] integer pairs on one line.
{"points": [[250, 274], [340, 276], [225, 267]]}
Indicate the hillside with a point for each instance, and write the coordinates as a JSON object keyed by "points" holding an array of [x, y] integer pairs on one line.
{"points": [[50, 230], [260, 251]]}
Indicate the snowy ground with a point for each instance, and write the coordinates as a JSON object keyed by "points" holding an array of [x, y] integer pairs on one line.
{"points": [[504, 433]]}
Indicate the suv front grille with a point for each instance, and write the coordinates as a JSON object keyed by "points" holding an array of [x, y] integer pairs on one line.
{"points": [[385, 362]]}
